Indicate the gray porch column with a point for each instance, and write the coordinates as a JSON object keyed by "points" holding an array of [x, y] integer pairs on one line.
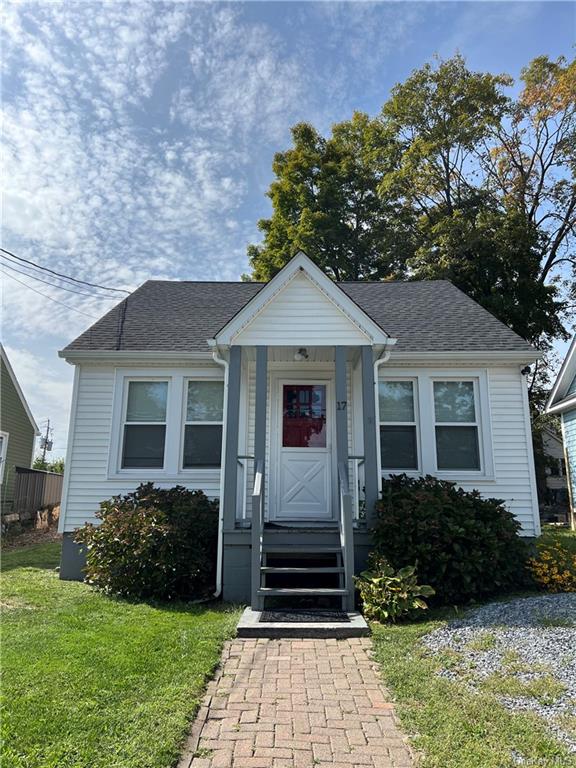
{"points": [[373, 481], [341, 407], [230, 490], [260, 394]]}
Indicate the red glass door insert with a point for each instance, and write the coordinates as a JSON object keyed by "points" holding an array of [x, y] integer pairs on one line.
{"points": [[304, 416]]}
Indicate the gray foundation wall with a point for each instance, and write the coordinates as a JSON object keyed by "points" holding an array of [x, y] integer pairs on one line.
{"points": [[72, 559]]}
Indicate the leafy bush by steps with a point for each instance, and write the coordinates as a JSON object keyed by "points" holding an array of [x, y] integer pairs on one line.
{"points": [[153, 543], [463, 545]]}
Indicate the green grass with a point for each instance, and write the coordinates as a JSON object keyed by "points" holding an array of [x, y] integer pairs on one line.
{"points": [[451, 725], [94, 682], [553, 534], [485, 641], [544, 688]]}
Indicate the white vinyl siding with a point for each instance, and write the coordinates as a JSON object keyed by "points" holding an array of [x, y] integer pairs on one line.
{"points": [[505, 437], [87, 472], [301, 315], [88, 480]]}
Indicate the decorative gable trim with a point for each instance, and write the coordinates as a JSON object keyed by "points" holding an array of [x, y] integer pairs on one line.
{"points": [[560, 398], [301, 264]]}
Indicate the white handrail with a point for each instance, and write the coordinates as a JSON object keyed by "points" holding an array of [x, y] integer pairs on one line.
{"points": [[346, 534], [242, 463], [257, 530]]}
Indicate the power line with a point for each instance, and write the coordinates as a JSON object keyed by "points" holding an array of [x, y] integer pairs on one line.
{"points": [[45, 295], [60, 274], [8, 265]]}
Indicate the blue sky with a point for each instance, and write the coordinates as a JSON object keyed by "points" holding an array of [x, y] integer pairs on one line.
{"points": [[138, 137]]}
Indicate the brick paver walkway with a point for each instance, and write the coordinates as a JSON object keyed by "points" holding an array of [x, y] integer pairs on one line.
{"points": [[296, 704]]}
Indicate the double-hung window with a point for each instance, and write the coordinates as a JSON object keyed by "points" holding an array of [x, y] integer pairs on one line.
{"points": [[398, 433], [203, 424], [144, 428], [3, 453], [456, 425]]}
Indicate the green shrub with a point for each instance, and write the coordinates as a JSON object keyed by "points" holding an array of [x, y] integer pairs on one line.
{"points": [[462, 544], [153, 543], [387, 594]]}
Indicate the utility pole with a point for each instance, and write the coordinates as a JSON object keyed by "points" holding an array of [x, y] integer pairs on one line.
{"points": [[46, 441]]}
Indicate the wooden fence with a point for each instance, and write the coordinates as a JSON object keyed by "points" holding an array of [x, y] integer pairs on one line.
{"points": [[35, 491]]}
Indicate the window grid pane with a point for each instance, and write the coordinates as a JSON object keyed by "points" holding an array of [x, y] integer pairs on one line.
{"points": [[143, 446], [202, 446], [205, 401], [398, 447], [147, 401], [454, 402], [457, 448], [396, 401]]}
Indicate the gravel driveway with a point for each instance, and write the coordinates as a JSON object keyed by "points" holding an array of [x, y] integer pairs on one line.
{"points": [[524, 651]]}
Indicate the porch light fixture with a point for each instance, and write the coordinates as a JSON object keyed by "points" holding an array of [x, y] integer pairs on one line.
{"points": [[302, 354]]}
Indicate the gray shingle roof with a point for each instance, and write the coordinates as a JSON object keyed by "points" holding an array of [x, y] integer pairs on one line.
{"points": [[425, 316]]}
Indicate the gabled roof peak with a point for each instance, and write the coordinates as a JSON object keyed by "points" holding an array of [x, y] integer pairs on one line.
{"points": [[301, 265]]}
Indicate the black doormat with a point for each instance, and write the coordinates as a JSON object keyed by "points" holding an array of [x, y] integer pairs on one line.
{"points": [[303, 616]]}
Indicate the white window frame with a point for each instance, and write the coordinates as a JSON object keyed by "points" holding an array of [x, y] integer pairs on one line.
{"points": [[426, 421], [3, 454], [416, 423], [476, 423], [185, 422], [126, 388], [172, 471]]}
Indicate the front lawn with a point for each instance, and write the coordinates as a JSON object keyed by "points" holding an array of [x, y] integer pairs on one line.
{"points": [[453, 710], [94, 682]]}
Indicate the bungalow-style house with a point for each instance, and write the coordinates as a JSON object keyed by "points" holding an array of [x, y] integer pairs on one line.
{"points": [[18, 432], [562, 401], [290, 401]]}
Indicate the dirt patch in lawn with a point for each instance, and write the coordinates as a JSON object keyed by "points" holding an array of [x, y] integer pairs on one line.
{"points": [[31, 537]]}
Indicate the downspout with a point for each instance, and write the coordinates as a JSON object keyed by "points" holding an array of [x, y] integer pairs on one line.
{"points": [[382, 358], [217, 357]]}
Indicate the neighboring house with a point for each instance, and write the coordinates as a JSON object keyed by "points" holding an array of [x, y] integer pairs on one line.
{"points": [[18, 432], [556, 490], [290, 401], [562, 401]]}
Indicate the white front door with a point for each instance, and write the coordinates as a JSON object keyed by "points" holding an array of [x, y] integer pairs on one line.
{"points": [[304, 456]]}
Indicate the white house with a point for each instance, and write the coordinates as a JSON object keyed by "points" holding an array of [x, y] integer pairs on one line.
{"points": [[290, 401], [562, 401]]}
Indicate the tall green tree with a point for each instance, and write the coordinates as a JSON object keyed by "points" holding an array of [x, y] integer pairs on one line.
{"points": [[326, 202], [454, 180], [456, 173]]}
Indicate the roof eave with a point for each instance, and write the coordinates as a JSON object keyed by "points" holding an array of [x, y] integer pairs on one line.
{"points": [[567, 371], [512, 356], [86, 355]]}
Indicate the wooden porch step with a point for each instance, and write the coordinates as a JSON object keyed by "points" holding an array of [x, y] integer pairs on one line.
{"points": [[301, 591], [301, 569], [299, 549]]}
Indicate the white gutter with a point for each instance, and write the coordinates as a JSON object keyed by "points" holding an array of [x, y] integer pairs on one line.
{"points": [[562, 405], [380, 360], [216, 356]]}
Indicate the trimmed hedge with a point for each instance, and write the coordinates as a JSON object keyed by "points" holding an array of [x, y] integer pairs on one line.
{"points": [[153, 543], [463, 545]]}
